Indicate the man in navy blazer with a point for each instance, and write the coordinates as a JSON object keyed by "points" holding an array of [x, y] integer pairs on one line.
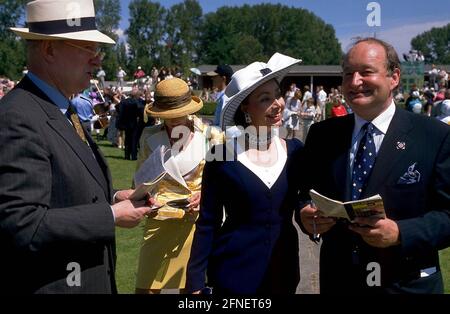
{"points": [[398, 254], [56, 222]]}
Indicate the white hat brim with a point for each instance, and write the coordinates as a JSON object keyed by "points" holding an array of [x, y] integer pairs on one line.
{"points": [[91, 35], [230, 105]]}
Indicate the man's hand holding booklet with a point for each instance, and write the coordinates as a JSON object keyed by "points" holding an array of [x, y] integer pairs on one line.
{"points": [[369, 207]]}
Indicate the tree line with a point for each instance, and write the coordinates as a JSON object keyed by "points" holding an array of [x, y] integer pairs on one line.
{"points": [[434, 45], [12, 51], [183, 36]]}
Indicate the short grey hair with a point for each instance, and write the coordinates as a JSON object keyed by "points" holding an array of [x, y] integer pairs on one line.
{"points": [[392, 60]]}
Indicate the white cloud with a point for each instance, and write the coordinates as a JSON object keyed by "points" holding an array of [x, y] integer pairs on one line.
{"points": [[400, 37], [121, 33]]}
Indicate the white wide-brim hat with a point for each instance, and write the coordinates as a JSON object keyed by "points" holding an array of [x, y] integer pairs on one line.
{"points": [[445, 110], [246, 80], [61, 19]]}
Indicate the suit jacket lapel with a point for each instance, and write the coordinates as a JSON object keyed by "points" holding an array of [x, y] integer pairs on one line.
{"points": [[389, 153], [103, 164], [86, 155], [343, 142], [58, 122]]}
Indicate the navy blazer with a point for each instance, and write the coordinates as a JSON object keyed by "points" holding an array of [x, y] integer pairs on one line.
{"points": [[54, 201], [421, 209], [256, 249]]}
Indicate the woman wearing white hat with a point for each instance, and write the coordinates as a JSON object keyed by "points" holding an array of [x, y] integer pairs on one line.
{"points": [[168, 232], [445, 111], [255, 249]]}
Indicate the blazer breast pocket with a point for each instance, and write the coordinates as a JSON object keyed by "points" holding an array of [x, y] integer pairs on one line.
{"points": [[432, 284], [402, 201]]}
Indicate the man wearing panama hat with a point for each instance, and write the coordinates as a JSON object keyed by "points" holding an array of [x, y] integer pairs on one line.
{"points": [[56, 221]]}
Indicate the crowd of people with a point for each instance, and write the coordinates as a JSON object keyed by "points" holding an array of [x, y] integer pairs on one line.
{"points": [[428, 102], [146, 81], [304, 109], [125, 110], [218, 201], [5, 86], [438, 78]]}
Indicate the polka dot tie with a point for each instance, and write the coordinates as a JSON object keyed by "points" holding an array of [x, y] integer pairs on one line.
{"points": [[364, 161]]}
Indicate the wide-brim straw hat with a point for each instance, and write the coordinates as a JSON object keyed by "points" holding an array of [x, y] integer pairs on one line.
{"points": [[173, 99], [61, 20], [246, 80]]}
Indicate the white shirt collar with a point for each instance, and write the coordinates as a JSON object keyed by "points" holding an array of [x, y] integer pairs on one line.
{"points": [[381, 122]]}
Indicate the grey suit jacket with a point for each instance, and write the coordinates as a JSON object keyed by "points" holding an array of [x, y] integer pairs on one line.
{"points": [[56, 224]]}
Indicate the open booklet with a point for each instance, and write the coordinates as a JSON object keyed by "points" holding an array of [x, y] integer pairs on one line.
{"points": [[159, 164], [369, 207]]}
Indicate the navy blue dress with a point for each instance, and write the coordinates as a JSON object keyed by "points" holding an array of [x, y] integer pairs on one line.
{"points": [[255, 251]]}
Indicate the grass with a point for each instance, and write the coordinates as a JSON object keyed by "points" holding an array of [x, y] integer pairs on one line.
{"points": [[128, 240], [208, 108], [445, 268]]}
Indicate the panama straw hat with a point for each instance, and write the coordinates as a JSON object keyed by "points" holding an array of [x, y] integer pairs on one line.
{"points": [[246, 80], [173, 99], [60, 20]]}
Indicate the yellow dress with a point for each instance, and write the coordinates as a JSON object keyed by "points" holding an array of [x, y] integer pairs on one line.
{"points": [[166, 244]]}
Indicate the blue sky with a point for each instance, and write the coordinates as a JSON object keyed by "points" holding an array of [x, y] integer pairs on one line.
{"points": [[400, 20]]}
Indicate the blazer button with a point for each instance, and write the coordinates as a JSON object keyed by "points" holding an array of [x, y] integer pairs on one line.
{"points": [[94, 199]]}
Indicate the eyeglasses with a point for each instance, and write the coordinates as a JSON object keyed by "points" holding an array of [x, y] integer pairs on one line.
{"points": [[94, 52]]}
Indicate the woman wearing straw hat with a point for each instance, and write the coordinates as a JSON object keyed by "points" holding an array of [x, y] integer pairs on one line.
{"points": [[255, 250], [168, 233]]}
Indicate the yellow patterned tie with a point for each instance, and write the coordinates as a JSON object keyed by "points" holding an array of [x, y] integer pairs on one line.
{"points": [[72, 114]]}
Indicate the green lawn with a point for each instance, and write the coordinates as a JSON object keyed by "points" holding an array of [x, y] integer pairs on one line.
{"points": [[445, 267], [128, 240]]}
